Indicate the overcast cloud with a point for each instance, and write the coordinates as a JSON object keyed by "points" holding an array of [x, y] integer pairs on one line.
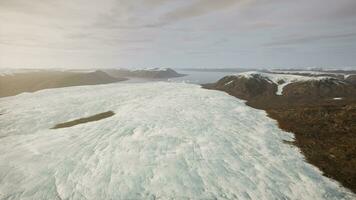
{"points": [[180, 33]]}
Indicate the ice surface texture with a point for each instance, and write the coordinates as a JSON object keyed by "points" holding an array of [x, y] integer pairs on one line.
{"points": [[166, 140]]}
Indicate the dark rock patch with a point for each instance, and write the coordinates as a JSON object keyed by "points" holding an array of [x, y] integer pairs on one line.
{"points": [[96, 117]]}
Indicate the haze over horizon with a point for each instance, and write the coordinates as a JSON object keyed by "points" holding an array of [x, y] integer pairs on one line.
{"points": [[187, 33]]}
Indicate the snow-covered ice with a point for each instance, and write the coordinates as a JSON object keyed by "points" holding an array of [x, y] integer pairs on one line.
{"points": [[338, 98], [166, 141], [228, 83]]}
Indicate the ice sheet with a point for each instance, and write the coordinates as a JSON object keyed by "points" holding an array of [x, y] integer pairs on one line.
{"points": [[166, 140]]}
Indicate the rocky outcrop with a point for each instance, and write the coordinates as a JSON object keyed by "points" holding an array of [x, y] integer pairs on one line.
{"points": [[245, 88]]}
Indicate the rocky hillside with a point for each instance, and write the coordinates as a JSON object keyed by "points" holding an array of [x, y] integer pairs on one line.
{"points": [[245, 87], [281, 89], [319, 110], [12, 84]]}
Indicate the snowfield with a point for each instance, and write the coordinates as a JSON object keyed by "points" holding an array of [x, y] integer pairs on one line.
{"points": [[165, 141]]}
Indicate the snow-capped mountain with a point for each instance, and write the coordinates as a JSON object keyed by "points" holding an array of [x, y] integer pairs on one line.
{"points": [[251, 84]]}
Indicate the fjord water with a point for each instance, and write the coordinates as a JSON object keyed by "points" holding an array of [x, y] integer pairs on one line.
{"points": [[166, 140]]}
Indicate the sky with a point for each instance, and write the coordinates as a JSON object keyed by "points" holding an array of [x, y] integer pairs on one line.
{"points": [[177, 33]]}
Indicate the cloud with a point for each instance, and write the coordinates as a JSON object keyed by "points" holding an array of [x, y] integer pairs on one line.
{"points": [[159, 13], [161, 29], [198, 8], [308, 39], [335, 10]]}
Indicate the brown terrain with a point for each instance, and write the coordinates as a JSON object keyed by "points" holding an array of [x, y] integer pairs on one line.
{"points": [[33, 81], [324, 127]]}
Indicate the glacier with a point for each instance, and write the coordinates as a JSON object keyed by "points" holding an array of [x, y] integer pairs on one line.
{"points": [[165, 141]]}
